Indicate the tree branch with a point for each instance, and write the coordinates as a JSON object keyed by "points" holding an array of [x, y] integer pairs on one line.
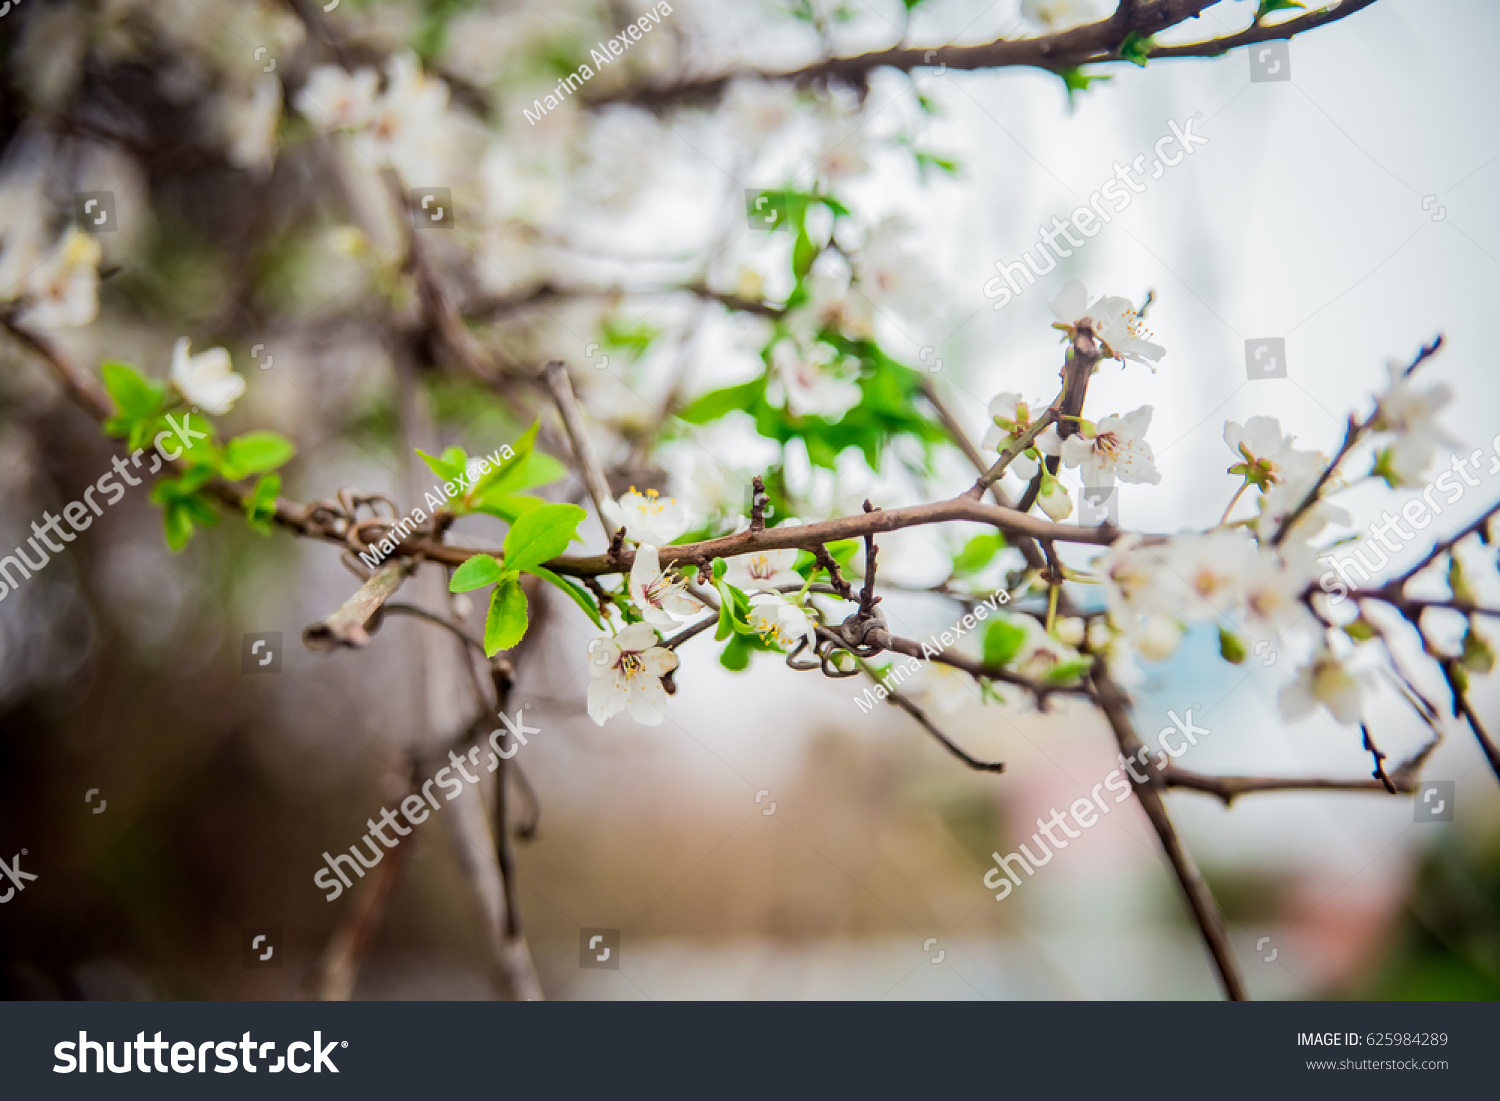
{"points": [[1113, 702]]}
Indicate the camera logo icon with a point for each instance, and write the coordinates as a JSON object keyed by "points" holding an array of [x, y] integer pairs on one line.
{"points": [[262, 948], [1265, 357], [94, 211], [432, 208], [765, 209], [1098, 505], [1434, 801], [599, 949], [1270, 61], [261, 653]]}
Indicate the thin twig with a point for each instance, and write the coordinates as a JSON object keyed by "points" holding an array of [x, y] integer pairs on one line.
{"points": [[1113, 702], [555, 374], [346, 627]]}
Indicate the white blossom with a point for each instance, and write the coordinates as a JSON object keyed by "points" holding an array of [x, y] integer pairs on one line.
{"points": [[250, 126], [333, 99], [647, 517], [1273, 584], [763, 570], [1204, 575], [1010, 418], [206, 380], [1158, 638], [63, 290], [892, 275], [1040, 653], [627, 672], [408, 126], [1117, 447], [1279, 502], [1058, 15], [1411, 415], [657, 592], [1129, 572], [830, 305], [1055, 499], [812, 386], [1326, 680], [780, 621], [1114, 320], [1267, 455]]}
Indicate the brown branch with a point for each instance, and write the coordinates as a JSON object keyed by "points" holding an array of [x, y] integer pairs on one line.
{"points": [[758, 502], [1094, 42], [346, 627], [897, 699], [831, 567], [1453, 672], [543, 294], [80, 385], [807, 536], [555, 375], [1228, 788], [1354, 431], [515, 955], [1113, 702]]}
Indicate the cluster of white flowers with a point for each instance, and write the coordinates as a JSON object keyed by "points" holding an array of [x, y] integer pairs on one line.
{"points": [[1249, 576], [628, 667], [56, 281], [1410, 416], [406, 126]]}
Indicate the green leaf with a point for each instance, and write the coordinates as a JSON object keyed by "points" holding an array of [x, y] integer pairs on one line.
{"points": [[541, 534], [804, 252], [444, 469], [1268, 6], [1002, 640], [182, 511], [1136, 49], [574, 590], [736, 655], [139, 400], [133, 393], [978, 553], [633, 339], [509, 508], [525, 472], [255, 453], [1231, 647], [177, 519], [927, 162], [1065, 672], [714, 404], [1479, 655], [519, 452], [1077, 80], [261, 505], [476, 573], [507, 621]]}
